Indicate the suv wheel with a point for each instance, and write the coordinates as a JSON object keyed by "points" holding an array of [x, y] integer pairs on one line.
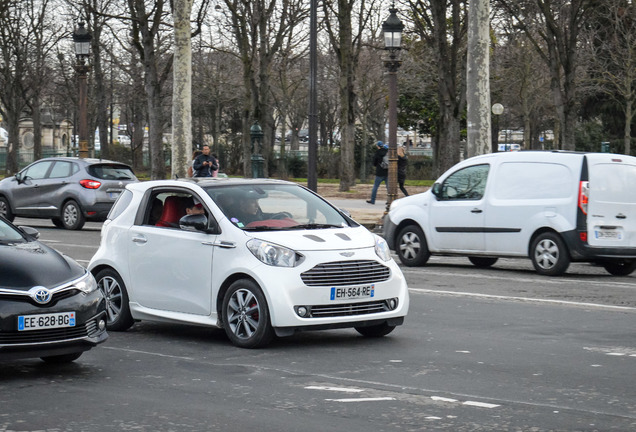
{"points": [[5, 209], [72, 216], [412, 247], [549, 255]]}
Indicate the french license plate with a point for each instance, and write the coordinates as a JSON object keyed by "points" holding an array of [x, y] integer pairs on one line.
{"points": [[339, 293], [608, 234], [114, 195], [46, 321]]}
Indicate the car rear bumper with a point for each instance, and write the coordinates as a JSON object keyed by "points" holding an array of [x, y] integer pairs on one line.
{"points": [[581, 251]]}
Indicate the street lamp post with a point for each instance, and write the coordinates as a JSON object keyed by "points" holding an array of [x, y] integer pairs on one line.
{"points": [[82, 40], [497, 110], [256, 133], [392, 29]]}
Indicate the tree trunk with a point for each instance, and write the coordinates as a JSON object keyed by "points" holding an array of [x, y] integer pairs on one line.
{"points": [[627, 138], [182, 89], [478, 79], [37, 128]]}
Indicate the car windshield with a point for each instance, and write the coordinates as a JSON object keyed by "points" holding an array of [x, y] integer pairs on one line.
{"points": [[111, 172], [9, 234], [275, 207]]}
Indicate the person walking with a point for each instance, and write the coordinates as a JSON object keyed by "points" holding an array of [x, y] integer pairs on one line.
{"points": [[401, 166], [215, 173], [381, 164], [194, 156], [204, 164]]}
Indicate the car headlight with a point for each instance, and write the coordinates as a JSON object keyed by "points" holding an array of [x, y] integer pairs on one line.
{"points": [[382, 248], [273, 254], [87, 284]]}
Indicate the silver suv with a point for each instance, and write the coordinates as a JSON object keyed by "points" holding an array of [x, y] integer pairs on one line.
{"points": [[67, 190]]}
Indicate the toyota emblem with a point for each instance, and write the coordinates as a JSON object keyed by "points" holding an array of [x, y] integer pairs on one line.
{"points": [[40, 294]]}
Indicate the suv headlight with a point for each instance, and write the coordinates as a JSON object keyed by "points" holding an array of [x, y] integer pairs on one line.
{"points": [[273, 254], [382, 248], [87, 284]]}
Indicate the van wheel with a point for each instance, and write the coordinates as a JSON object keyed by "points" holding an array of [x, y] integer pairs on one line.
{"points": [[72, 216], [549, 255], [246, 316], [412, 247], [483, 261], [620, 268], [118, 317], [5, 209]]}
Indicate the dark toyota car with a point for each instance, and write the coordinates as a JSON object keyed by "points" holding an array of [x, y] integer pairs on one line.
{"points": [[50, 306], [67, 190]]}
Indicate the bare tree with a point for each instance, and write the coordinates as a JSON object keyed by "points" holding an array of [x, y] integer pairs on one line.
{"points": [[553, 27], [478, 79], [346, 22], [611, 53], [442, 24]]}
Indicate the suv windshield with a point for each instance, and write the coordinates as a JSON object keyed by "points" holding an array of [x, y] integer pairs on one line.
{"points": [[111, 172], [275, 206]]}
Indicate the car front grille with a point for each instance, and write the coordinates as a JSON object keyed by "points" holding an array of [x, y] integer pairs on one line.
{"points": [[347, 309], [50, 335], [341, 273]]}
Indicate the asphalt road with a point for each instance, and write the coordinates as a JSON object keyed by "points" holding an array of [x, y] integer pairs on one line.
{"points": [[499, 349]]}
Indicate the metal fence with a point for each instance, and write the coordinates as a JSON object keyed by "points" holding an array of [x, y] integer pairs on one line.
{"points": [[26, 157]]}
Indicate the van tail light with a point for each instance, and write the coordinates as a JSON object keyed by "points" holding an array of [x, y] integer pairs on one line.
{"points": [[584, 195], [583, 236], [90, 184]]}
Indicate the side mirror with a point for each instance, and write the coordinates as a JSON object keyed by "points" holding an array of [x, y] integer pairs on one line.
{"points": [[30, 232], [18, 178], [195, 222], [435, 190]]}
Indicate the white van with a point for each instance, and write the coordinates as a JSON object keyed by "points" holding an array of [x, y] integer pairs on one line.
{"points": [[553, 207]]}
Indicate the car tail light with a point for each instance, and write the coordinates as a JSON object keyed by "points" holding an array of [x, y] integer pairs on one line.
{"points": [[583, 236], [90, 184], [584, 195]]}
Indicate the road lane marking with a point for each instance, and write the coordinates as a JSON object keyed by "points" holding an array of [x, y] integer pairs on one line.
{"points": [[348, 400], [481, 404], [526, 299], [544, 281], [443, 399], [336, 389], [149, 353]]}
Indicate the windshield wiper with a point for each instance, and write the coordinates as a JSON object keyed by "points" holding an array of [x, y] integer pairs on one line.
{"points": [[314, 226], [262, 228]]}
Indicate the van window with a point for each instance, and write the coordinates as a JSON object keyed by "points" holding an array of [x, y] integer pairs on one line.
{"points": [[466, 184], [613, 183], [532, 180]]}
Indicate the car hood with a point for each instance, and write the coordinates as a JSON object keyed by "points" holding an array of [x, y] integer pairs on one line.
{"points": [[25, 265], [319, 239]]}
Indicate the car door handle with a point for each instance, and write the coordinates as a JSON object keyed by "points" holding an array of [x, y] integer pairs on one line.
{"points": [[139, 239], [222, 244], [476, 210], [621, 216]]}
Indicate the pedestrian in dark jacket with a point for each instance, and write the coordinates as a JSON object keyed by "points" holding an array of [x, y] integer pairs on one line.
{"points": [[381, 169], [401, 166], [205, 164]]}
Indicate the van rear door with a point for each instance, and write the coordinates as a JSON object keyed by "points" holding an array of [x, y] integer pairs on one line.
{"points": [[611, 210]]}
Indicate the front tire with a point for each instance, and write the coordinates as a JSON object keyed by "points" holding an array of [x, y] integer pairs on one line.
{"points": [[72, 216], [246, 315], [64, 358], [483, 262], [620, 268], [411, 247], [549, 255], [118, 317], [375, 330], [5, 209]]}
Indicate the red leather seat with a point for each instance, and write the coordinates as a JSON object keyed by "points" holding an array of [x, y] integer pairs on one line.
{"points": [[173, 210]]}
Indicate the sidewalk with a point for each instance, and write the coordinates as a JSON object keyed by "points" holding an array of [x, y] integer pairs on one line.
{"points": [[355, 201]]}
